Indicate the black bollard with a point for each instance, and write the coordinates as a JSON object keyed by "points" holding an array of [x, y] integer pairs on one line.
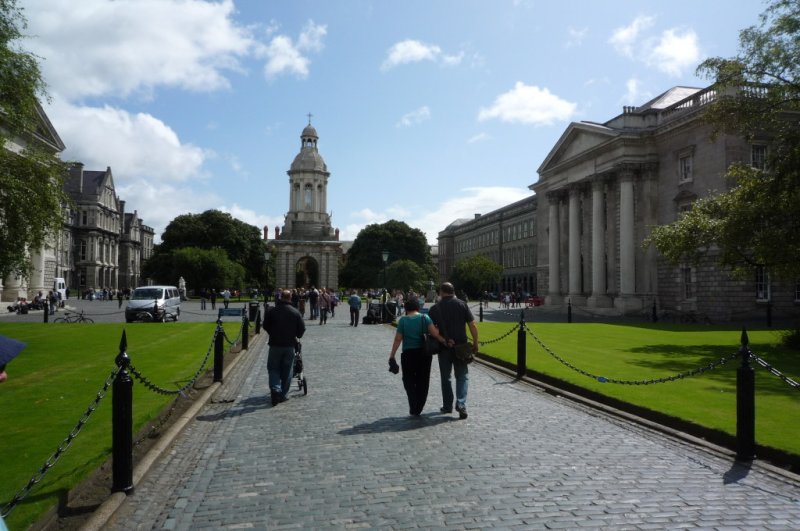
{"points": [[569, 311], [218, 352], [655, 313], [122, 423], [245, 333], [258, 321], [46, 311], [480, 312], [522, 362], [745, 405]]}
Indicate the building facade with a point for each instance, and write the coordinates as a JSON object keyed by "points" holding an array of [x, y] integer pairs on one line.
{"points": [[506, 235], [308, 251], [604, 185], [108, 245]]}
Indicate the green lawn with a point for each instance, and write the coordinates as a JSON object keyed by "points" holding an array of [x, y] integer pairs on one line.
{"points": [[57, 377], [645, 352]]}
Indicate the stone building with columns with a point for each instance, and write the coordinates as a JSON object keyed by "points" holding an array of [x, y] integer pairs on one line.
{"points": [[506, 235], [601, 188], [307, 249]]}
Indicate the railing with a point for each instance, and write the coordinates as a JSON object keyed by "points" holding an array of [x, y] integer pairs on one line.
{"points": [[745, 379], [121, 380]]}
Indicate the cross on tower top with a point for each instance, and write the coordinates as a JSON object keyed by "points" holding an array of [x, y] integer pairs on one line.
{"points": [[309, 118]]}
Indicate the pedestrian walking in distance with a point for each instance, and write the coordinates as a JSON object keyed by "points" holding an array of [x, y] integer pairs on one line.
{"points": [[285, 326]]}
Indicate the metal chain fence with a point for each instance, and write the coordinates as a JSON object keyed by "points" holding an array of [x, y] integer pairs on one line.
{"points": [[65, 444], [604, 379], [513, 329], [163, 391], [776, 372]]}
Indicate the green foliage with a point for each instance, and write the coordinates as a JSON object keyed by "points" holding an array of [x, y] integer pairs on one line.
{"points": [[201, 268], [756, 222], [364, 263], [31, 182], [236, 247], [406, 275], [475, 274]]}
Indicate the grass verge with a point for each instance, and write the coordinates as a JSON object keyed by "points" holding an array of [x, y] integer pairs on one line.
{"points": [[57, 377], [651, 352]]}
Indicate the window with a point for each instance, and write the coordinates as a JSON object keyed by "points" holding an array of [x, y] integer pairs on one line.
{"points": [[688, 282], [758, 156], [83, 217], [83, 249], [762, 284], [685, 168]]}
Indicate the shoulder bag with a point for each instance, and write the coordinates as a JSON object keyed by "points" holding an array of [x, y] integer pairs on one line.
{"points": [[430, 345]]}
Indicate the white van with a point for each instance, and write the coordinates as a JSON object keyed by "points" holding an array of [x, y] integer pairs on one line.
{"points": [[141, 306], [60, 286]]}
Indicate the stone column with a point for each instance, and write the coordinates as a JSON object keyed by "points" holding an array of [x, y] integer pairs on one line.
{"points": [[627, 250], [554, 244], [599, 299], [575, 295]]}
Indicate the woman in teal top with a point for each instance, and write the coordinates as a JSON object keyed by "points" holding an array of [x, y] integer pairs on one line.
{"points": [[415, 363]]}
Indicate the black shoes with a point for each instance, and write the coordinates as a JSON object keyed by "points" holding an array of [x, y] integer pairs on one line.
{"points": [[445, 410], [277, 398], [462, 412]]}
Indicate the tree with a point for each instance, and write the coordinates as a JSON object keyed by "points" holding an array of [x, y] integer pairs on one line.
{"points": [[201, 268], [405, 275], [476, 274], [756, 223], [240, 243], [364, 265], [31, 180]]}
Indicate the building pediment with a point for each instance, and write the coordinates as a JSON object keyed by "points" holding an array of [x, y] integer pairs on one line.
{"points": [[578, 139]]}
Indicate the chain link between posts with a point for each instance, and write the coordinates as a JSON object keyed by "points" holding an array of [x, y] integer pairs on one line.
{"points": [[604, 379], [489, 342], [62, 448], [163, 391], [776, 372]]}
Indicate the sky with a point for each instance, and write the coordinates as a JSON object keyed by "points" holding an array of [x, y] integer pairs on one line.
{"points": [[427, 111]]}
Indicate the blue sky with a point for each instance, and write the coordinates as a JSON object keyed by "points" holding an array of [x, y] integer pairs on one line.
{"points": [[427, 111]]}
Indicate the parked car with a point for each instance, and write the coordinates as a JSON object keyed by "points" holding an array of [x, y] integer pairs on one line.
{"points": [[534, 300], [153, 303]]}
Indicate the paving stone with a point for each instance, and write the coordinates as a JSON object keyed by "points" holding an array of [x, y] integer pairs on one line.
{"points": [[347, 456]]}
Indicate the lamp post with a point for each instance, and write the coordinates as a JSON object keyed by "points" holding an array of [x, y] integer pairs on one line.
{"points": [[267, 257], [385, 256]]}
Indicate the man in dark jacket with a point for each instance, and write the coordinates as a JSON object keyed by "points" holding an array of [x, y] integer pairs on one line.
{"points": [[452, 317], [285, 326]]}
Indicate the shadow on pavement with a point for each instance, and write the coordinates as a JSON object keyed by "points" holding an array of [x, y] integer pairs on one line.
{"points": [[397, 424]]}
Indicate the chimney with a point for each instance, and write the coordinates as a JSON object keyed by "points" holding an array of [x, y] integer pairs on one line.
{"points": [[477, 216]]}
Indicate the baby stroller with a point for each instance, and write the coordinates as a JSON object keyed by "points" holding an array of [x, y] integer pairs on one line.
{"points": [[298, 368]]}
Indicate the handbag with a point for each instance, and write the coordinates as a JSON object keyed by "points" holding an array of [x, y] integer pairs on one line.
{"points": [[463, 353], [430, 345]]}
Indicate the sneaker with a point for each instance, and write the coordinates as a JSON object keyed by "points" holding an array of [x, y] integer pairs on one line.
{"points": [[445, 409], [462, 412]]}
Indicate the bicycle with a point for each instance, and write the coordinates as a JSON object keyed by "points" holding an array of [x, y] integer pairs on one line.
{"points": [[71, 317]]}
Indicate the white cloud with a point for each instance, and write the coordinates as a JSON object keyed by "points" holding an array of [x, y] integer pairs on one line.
{"points": [[412, 51], [415, 117], [672, 52], [528, 104], [132, 144], [283, 56], [130, 46], [480, 137], [632, 92], [675, 52], [624, 39], [464, 203], [253, 218], [576, 36]]}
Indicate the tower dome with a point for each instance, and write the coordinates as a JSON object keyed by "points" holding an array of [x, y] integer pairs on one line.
{"points": [[309, 158]]}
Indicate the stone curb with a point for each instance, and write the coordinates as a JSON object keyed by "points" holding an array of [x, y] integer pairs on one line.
{"points": [[103, 514]]}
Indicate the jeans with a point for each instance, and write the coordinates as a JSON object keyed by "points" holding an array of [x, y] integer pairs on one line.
{"points": [[447, 365], [354, 316], [280, 367], [416, 378], [323, 316]]}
